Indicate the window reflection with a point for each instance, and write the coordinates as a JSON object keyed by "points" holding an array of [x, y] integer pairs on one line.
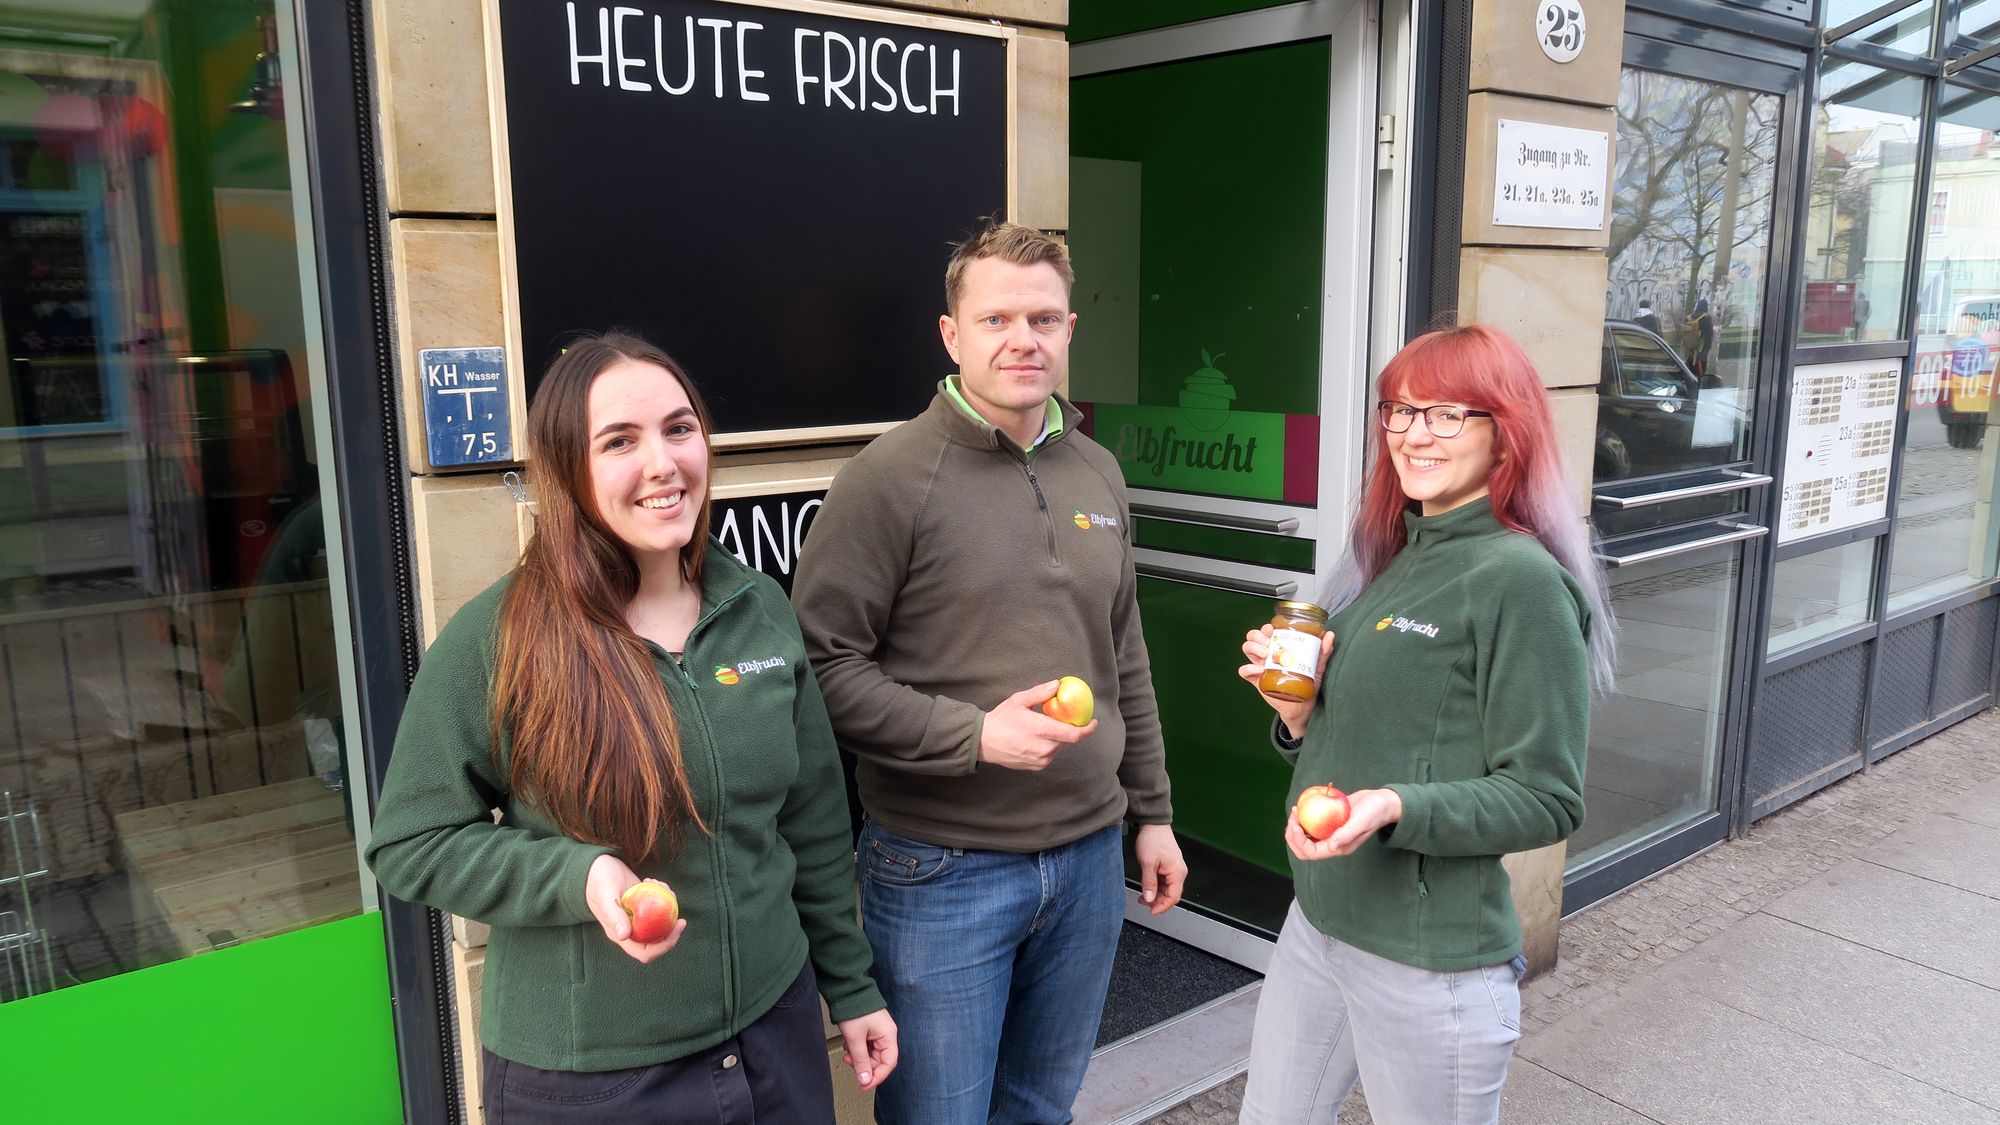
{"points": [[1857, 230], [1907, 30], [171, 756], [1815, 595], [1690, 243], [1944, 527]]}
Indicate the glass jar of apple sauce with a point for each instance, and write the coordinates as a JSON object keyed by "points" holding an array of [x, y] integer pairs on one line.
{"points": [[1291, 670]]}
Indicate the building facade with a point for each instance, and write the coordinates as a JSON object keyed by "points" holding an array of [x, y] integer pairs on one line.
{"points": [[276, 281]]}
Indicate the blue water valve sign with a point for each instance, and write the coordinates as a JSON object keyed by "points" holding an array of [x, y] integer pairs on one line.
{"points": [[465, 405]]}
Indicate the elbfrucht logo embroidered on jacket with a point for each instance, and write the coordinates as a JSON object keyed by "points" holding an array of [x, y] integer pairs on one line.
{"points": [[1405, 625]]}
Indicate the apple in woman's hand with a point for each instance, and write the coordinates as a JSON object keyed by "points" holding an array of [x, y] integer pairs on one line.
{"points": [[1321, 811], [654, 909]]}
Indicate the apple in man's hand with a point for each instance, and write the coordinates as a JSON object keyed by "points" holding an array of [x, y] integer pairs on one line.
{"points": [[1072, 703], [654, 909], [1321, 811]]}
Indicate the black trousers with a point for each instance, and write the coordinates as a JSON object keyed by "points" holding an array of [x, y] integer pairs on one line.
{"points": [[773, 1073]]}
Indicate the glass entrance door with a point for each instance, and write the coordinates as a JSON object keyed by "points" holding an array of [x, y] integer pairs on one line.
{"points": [[1679, 461], [1220, 355]]}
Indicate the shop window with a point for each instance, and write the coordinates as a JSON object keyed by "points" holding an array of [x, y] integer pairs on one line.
{"points": [[1819, 594], [1690, 246], [1866, 135], [1906, 29], [172, 762], [1945, 531]]}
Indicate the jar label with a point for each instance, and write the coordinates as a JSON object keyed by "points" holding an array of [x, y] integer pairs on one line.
{"points": [[1295, 652]]}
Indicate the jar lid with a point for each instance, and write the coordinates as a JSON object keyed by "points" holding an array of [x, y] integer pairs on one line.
{"points": [[1303, 609]]}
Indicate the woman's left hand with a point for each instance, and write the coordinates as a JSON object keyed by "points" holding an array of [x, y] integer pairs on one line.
{"points": [[870, 1043], [1368, 810]]}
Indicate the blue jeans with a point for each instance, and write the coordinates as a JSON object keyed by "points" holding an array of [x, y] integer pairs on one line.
{"points": [[995, 966]]}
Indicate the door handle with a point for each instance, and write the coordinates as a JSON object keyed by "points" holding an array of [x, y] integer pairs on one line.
{"points": [[1249, 586], [1283, 525], [1737, 533], [1738, 480]]}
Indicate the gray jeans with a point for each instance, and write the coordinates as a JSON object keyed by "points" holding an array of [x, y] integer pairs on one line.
{"points": [[1431, 1048]]}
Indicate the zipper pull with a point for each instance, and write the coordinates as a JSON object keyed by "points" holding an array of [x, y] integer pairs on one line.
{"points": [[1037, 486]]}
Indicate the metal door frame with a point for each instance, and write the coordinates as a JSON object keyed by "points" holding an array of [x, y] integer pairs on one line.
{"points": [[1727, 57]]}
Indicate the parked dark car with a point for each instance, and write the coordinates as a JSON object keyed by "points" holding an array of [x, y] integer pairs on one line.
{"points": [[1654, 415]]}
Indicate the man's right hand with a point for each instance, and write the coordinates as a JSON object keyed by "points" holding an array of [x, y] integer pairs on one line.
{"points": [[1018, 736]]}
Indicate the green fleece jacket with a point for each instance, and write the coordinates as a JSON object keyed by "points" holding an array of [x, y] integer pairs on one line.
{"points": [[774, 881], [1459, 680], [949, 570]]}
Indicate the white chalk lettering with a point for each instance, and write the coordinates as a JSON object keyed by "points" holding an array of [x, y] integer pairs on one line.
{"points": [[938, 92], [715, 27], [743, 72], [905, 75], [799, 75], [576, 60], [660, 56], [834, 88], [875, 72], [866, 73], [625, 63]]}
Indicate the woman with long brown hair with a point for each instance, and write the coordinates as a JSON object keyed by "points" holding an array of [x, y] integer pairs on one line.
{"points": [[635, 706]]}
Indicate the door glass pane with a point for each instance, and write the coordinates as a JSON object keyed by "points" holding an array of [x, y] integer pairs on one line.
{"points": [[1866, 135], [1655, 746], [171, 756], [1690, 243], [1821, 593], [1227, 776], [1197, 215], [1944, 530]]}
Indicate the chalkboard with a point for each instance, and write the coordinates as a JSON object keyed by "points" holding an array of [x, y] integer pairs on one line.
{"points": [[768, 532], [768, 194]]}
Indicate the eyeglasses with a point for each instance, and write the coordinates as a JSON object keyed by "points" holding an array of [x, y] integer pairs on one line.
{"points": [[1442, 421]]}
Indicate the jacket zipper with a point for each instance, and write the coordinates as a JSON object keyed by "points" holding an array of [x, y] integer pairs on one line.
{"points": [[729, 976], [1423, 889], [1048, 521]]}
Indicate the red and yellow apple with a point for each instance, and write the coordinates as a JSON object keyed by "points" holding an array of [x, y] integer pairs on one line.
{"points": [[654, 909], [1072, 703], [1321, 811]]}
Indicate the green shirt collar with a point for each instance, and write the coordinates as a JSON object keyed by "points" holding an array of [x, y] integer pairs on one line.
{"points": [[1051, 425]]}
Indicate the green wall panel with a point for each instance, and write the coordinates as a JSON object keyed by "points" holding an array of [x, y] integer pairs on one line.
{"points": [[1099, 19], [1229, 782], [1224, 162], [294, 1028]]}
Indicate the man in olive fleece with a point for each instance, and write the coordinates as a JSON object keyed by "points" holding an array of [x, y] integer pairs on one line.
{"points": [[960, 565]]}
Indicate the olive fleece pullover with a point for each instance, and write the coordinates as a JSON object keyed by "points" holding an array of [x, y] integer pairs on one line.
{"points": [[773, 883], [948, 570], [1458, 679]]}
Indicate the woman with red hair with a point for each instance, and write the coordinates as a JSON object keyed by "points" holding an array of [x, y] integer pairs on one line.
{"points": [[1453, 708]]}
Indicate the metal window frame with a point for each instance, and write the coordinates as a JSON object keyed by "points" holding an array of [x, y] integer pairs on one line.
{"points": [[363, 405]]}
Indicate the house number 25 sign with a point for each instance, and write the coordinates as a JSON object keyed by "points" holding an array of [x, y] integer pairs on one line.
{"points": [[1559, 28]]}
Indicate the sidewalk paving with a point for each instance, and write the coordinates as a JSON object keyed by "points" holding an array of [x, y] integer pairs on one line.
{"points": [[1839, 964]]}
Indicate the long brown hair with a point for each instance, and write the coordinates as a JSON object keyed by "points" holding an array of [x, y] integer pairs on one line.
{"points": [[596, 744]]}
